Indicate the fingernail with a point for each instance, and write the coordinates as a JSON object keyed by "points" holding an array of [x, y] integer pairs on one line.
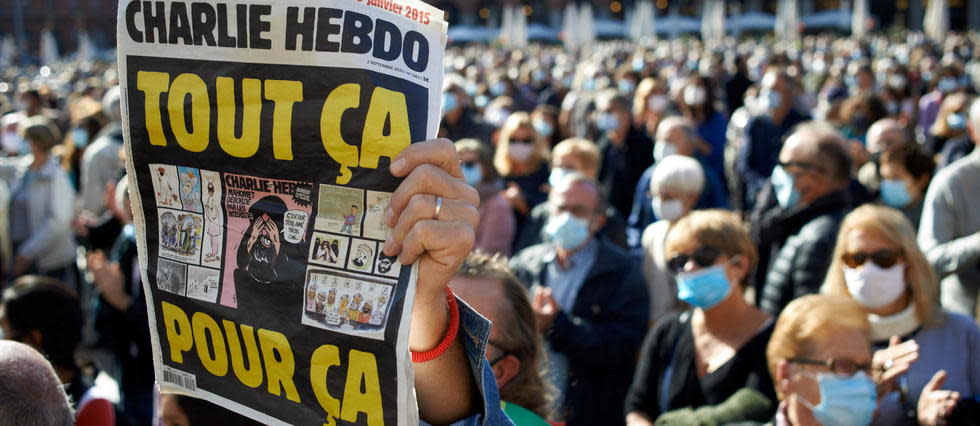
{"points": [[397, 166]]}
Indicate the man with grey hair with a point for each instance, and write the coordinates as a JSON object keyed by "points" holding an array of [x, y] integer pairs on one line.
{"points": [[590, 303], [949, 232], [810, 184], [882, 136], [30, 392], [676, 135], [100, 166]]}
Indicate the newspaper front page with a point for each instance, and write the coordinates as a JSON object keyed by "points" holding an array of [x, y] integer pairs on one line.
{"points": [[258, 140]]}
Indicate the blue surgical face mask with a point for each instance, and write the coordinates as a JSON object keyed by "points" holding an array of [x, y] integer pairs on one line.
{"points": [[770, 100], [568, 231], [948, 84], [448, 102], [956, 122], [557, 174], [844, 401], [626, 87], [784, 186], [607, 122], [79, 136], [498, 88], [703, 289], [895, 193], [544, 128], [472, 173]]}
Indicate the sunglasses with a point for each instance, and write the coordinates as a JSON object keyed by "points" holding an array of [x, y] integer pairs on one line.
{"points": [[840, 367], [704, 257], [883, 258], [523, 141]]}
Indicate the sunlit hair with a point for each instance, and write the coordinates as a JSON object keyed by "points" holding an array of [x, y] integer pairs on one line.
{"points": [[518, 332], [807, 324], [646, 88], [677, 173], [483, 156], [584, 150], [720, 229], [518, 120], [892, 226]]}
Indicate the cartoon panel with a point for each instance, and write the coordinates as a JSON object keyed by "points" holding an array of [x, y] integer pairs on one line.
{"points": [[214, 219], [329, 250], [374, 226], [340, 210], [387, 265], [362, 253], [171, 276], [180, 235], [190, 188], [165, 185], [202, 283], [346, 303]]}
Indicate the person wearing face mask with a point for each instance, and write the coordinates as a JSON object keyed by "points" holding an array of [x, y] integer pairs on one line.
{"points": [[950, 126], [100, 165], [819, 357], [859, 112], [459, 119], [700, 357], [810, 186], [571, 156], [545, 121], [590, 303], [884, 135], [676, 186], [946, 83], [878, 264], [758, 155], [522, 161], [626, 151], [495, 233], [675, 136], [87, 120], [651, 104], [698, 105], [906, 172]]}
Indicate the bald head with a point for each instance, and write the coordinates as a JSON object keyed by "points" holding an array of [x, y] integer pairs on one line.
{"points": [[885, 134], [30, 392]]}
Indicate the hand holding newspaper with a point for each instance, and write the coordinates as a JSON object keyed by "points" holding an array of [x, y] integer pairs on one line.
{"points": [[259, 138]]}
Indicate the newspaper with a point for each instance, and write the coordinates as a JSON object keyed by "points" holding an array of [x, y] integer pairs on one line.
{"points": [[258, 139]]}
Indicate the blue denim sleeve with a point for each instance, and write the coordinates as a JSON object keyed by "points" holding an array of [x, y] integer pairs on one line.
{"points": [[474, 332]]}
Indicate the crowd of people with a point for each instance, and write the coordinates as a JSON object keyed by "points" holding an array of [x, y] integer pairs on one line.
{"points": [[670, 233]]}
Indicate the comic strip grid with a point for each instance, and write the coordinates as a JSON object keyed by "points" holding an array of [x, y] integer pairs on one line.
{"points": [[349, 281], [191, 227]]}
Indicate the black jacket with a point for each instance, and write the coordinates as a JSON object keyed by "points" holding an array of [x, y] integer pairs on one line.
{"points": [[601, 335], [533, 230], [801, 243]]}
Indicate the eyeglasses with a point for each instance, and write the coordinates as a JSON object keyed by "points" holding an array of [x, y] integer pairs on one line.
{"points": [[469, 163], [841, 367], [704, 257], [884, 258], [523, 141], [503, 354]]}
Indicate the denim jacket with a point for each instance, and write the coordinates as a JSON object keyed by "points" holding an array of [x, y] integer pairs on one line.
{"points": [[474, 332]]}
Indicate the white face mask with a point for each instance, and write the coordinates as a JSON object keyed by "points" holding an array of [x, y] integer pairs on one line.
{"points": [[663, 149], [695, 96], [658, 103], [520, 152], [670, 210], [874, 286]]}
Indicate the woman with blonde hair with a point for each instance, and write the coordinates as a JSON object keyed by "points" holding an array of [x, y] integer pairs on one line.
{"points": [[701, 357], [522, 161], [878, 263]]}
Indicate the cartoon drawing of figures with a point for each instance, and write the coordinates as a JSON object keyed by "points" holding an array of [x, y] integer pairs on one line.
{"points": [[333, 252], [362, 257], [349, 221], [342, 307], [165, 192], [385, 263], [213, 210], [321, 301], [320, 248], [365, 316], [168, 230], [379, 309], [353, 310], [331, 297], [311, 295], [190, 192]]}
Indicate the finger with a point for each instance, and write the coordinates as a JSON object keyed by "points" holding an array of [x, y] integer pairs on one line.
{"points": [[430, 236], [936, 382], [428, 179], [439, 152], [422, 207], [894, 341]]}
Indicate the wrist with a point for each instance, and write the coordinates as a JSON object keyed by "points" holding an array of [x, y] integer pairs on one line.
{"points": [[430, 318], [449, 336]]}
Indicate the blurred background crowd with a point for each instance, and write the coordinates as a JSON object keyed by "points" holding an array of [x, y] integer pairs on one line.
{"points": [[680, 224]]}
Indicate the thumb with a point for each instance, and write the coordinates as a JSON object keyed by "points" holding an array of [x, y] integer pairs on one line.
{"points": [[936, 382], [538, 297], [894, 341]]}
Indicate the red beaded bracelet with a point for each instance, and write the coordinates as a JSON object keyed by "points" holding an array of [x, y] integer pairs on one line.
{"points": [[447, 341]]}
